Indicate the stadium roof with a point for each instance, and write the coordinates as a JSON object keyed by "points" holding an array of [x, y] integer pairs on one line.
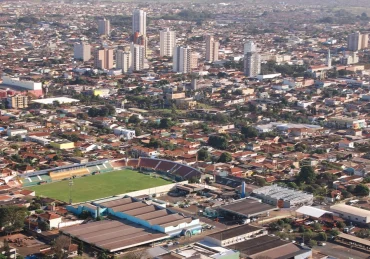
{"points": [[312, 211], [114, 235], [247, 207]]}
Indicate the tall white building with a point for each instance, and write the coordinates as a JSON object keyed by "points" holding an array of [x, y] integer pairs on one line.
{"points": [[124, 61], [139, 22], [250, 46], [82, 51], [328, 59], [357, 41], [104, 27], [182, 59], [212, 47], [252, 60], [167, 42], [137, 57]]}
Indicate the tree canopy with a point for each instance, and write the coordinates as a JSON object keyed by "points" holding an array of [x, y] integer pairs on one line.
{"points": [[219, 142], [361, 190], [307, 175], [12, 218], [225, 157]]}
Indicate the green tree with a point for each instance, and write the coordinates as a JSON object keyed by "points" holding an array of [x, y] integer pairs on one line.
{"points": [[322, 236], [307, 175], [308, 234], [77, 153], [225, 158], [44, 226], [260, 181], [134, 119], [317, 226], [203, 154], [219, 142], [334, 232], [341, 225], [138, 131], [361, 190], [249, 132], [165, 123], [292, 185], [12, 218], [312, 243]]}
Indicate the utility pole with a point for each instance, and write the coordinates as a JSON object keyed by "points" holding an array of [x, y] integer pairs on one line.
{"points": [[70, 183]]}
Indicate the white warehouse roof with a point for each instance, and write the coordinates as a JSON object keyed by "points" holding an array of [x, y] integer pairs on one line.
{"points": [[312, 211], [59, 99]]}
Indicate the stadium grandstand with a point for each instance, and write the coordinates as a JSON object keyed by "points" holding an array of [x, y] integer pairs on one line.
{"points": [[170, 169]]}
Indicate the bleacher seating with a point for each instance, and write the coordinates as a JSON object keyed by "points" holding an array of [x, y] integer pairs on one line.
{"points": [[69, 174], [93, 169], [133, 163], [118, 163], [168, 167], [165, 166], [148, 163], [26, 181], [106, 167], [45, 178]]}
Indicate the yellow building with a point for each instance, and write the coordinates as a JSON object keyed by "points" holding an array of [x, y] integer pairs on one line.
{"points": [[102, 92], [62, 144]]}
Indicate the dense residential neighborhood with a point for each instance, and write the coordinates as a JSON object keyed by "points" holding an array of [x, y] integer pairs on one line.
{"points": [[184, 129]]}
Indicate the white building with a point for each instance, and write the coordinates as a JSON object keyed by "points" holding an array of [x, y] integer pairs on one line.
{"points": [[15, 81], [137, 57], [167, 42], [16, 132], [252, 64], [250, 46], [283, 197], [212, 47], [182, 59], [104, 27], [124, 61], [357, 41], [351, 213], [82, 51], [350, 59], [39, 140], [139, 22], [125, 133]]}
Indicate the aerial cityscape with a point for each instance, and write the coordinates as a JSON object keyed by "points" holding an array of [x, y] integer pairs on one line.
{"points": [[170, 129]]}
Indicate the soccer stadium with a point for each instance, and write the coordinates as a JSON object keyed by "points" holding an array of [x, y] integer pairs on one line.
{"points": [[106, 178]]}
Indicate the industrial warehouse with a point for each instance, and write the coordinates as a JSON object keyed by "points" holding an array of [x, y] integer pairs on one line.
{"points": [[133, 222], [283, 197]]}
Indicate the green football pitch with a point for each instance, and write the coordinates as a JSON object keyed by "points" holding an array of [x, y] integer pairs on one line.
{"points": [[98, 186]]}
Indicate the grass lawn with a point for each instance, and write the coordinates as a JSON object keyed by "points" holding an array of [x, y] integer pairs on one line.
{"points": [[98, 186]]}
